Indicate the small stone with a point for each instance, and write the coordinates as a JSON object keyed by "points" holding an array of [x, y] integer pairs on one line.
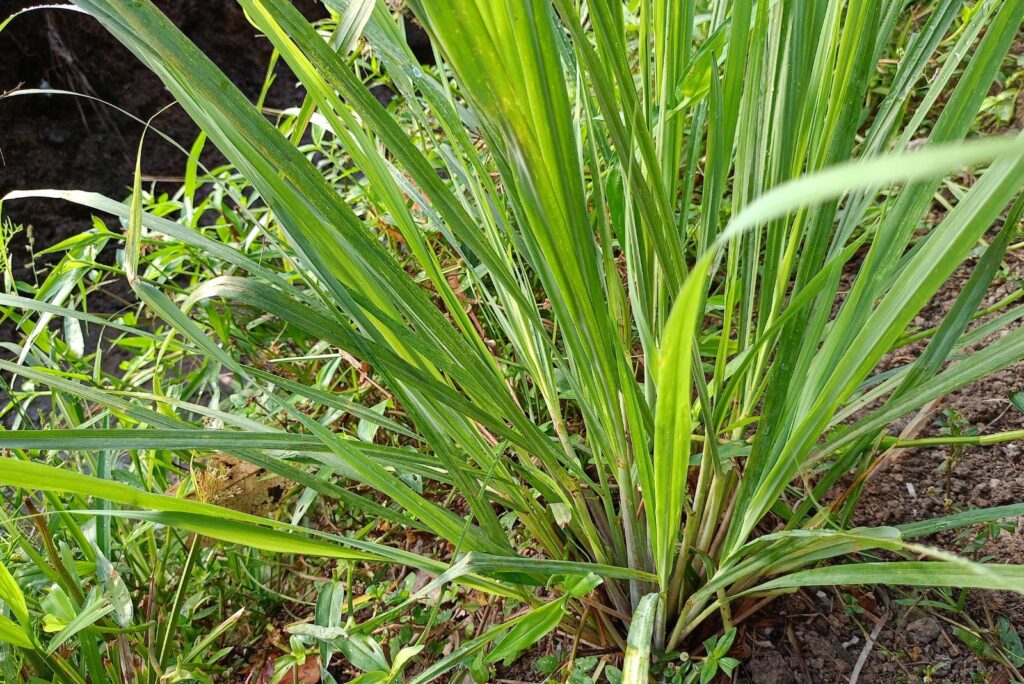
{"points": [[924, 630], [769, 667]]}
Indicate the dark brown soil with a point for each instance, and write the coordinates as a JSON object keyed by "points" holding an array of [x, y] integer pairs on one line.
{"points": [[65, 142], [819, 635]]}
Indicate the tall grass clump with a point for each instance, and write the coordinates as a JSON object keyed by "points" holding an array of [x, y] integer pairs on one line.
{"points": [[626, 273]]}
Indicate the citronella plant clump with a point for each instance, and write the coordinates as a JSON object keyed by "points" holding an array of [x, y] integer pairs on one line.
{"points": [[615, 280]]}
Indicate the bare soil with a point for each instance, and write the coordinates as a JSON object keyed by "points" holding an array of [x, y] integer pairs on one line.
{"points": [[66, 142], [819, 636]]}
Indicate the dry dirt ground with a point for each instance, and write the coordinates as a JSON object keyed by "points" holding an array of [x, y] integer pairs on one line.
{"points": [[819, 636]]}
